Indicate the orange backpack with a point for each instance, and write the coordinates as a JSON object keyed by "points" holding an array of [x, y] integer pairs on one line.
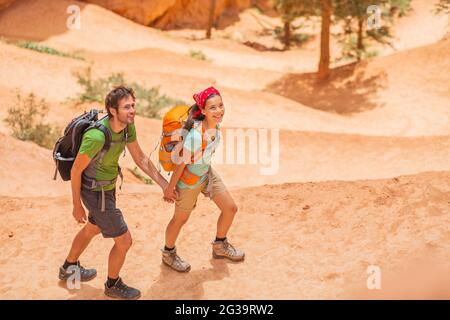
{"points": [[174, 119]]}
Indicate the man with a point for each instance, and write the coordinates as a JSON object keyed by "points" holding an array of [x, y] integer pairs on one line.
{"points": [[93, 177]]}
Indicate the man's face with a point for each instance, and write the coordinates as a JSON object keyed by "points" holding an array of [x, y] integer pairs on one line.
{"points": [[126, 110]]}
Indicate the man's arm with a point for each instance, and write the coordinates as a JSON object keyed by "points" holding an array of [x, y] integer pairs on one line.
{"points": [[145, 164], [170, 190], [81, 163]]}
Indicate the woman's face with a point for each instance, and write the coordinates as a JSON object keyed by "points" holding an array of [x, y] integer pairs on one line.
{"points": [[214, 109]]}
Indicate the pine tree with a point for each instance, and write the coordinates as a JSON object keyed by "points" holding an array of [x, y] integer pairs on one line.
{"points": [[356, 13], [212, 11], [443, 6], [292, 9]]}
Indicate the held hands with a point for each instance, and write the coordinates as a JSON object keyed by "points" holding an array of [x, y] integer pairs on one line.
{"points": [[170, 194]]}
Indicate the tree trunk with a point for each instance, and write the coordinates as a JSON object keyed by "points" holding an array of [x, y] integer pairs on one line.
{"points": [[360, 44], [212, 10], [287, 35], [324, 62]]}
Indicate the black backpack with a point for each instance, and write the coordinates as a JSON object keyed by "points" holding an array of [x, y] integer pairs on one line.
{"points": [[67, 147]]}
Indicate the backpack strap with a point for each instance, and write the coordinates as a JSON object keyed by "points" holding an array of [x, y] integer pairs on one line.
{"points": [[90, 183], [108, 137], [125, 139], [201, 129]]}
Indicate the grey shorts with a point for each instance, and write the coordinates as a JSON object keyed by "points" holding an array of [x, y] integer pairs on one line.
{"points": [[110, 222]]}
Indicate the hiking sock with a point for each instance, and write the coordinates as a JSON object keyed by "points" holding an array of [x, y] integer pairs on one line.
{"points": [[111, 282], [168, 249], [68, 264], [221, 239]]}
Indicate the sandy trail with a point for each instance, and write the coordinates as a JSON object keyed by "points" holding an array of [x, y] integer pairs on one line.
{"points": [[327, 234]]}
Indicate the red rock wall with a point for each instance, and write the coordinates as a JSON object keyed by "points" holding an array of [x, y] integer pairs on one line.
{"points": [[173, 14]]}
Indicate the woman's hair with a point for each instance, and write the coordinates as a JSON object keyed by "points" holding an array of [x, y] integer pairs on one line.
{"points": [[195, 115]]}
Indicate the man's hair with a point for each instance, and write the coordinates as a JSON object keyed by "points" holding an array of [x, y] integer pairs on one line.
{"points": [[113, 98]]}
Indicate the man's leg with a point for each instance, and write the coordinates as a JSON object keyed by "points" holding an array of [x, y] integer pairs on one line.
{"points": [[79, 244], [118, 253], [114, 286], [81, 241]]}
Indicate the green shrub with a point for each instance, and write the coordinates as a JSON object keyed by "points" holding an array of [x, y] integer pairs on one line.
{"points": [[96, 90], [198, 54], [149, 101], [26, 121], [137, 173], [297, 38], [44, 49], [350, 51]]}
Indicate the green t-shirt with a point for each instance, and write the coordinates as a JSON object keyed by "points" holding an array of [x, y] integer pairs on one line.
{"points": [[108, 167]]}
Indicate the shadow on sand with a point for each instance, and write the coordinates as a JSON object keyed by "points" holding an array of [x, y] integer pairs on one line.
{"points": [[348, 90], [173, 285]]}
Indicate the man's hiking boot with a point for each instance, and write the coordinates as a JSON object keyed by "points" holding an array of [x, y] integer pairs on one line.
{"points": [[85, 274], [121, 291], [170, 258], [224, 249]]}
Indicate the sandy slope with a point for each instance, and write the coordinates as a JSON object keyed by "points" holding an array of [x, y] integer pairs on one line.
{"points": [[165, 62], [406, 92], [420, 26], [53, 78], [403, 94], [48, 76], [315, 157], [45, 20], [396, 101], [327, 234]]}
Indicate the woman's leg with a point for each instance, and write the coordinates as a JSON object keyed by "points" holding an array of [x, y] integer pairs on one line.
{"points": [[222, 248], [174, 227], [186, 202], [228, 210], [169, 255]]}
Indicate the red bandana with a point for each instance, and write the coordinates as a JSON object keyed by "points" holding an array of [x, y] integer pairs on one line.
{"points": [[201, 97]]}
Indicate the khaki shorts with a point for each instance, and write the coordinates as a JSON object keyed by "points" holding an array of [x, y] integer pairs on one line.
{"points": [[212, 186]]}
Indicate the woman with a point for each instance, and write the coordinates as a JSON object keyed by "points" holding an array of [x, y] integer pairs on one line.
{"points": [[196, 175]]}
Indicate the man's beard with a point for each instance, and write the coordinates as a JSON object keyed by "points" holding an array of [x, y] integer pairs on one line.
{"points": [[124, 120]]}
